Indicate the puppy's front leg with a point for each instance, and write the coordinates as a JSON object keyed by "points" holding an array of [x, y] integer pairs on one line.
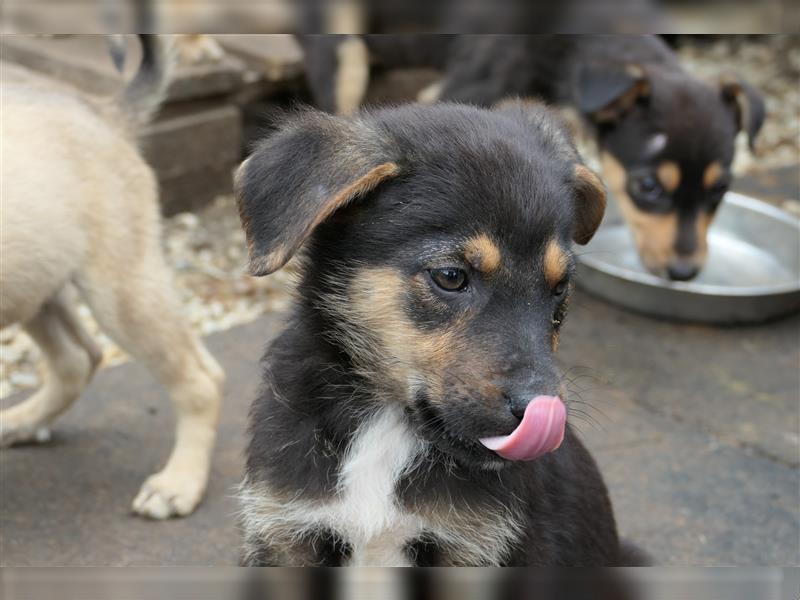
{"points": [[318, 549], [137, 308]]}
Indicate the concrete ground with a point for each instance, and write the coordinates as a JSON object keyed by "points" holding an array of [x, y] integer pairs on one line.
{"points": [[695, 429]]}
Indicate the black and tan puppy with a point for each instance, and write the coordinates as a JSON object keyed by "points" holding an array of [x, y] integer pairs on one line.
{"points": [[435, 281], [666, 138]]}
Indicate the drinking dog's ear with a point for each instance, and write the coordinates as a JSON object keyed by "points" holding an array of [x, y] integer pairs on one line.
{"points": [[606, 93], [747, 104], [301, 175]]}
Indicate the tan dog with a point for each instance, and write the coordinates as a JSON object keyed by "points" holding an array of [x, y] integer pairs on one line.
{"points": [[80, 210]]}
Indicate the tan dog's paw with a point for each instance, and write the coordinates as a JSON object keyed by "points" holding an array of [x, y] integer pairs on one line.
{"points": [[166, 495], [22, 433]]}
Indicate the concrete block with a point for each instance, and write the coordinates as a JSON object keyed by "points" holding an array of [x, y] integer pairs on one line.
{"points": [[194, 151]]}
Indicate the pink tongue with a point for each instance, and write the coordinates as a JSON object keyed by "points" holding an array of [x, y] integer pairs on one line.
{"points": [[541, 431]]}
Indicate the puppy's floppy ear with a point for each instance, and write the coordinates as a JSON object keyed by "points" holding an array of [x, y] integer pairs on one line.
{"points": [[590, 203], [606, 92], [747, 104], [299, 176]]}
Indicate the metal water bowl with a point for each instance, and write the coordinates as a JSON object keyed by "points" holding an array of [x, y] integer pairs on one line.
{"points": [[752, 272]]}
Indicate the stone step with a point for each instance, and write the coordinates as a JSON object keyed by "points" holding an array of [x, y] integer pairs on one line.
{"points": [[194, 151]]}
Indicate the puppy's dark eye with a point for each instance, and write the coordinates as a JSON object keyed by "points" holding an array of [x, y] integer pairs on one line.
{"points": [[717, 191], [646, 189], [449, 279], [648, 184], [561, 288]]}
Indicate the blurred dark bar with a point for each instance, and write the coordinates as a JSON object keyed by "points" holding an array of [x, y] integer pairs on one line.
{"points": [[384, 16], [395, 584]]}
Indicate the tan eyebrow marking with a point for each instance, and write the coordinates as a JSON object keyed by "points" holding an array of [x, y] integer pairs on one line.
{"points": [[482, 253], [555, 263], [712, 174], [669, 174]]}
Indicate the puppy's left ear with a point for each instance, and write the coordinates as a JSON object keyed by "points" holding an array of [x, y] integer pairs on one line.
{"points": [[747, 104], [590, 203], [298, 177]]}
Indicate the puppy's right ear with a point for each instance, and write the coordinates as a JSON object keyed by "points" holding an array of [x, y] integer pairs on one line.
{"points": [[607, 93], [299, 176], [590, 203]]}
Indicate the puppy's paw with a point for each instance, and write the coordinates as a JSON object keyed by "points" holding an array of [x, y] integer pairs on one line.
{"points": [[166, 495]]}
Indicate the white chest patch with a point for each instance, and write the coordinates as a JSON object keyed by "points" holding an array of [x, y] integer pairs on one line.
{"points": [[366, 511]]}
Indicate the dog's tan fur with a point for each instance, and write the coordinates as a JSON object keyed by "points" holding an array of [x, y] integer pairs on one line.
{"points": [[712, 174], [654, 234], [555, 263], [80, 210], [669, 174], [482, 253]]}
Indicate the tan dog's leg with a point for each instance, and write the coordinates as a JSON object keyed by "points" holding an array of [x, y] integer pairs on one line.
{"points": [[197, 48], [70, 359], [352, 75], [136, 307]]}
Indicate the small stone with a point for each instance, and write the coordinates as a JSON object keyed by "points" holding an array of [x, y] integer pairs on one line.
{"points": [[186, 220], [792, 206], [23, 380], [12, 354]]}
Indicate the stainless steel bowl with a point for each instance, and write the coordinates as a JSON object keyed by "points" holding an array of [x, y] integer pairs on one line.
{"points": [[752, 272]]}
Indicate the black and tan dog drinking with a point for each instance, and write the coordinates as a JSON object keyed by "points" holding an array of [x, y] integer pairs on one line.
{"points": [[412, 412], [666, 138]]}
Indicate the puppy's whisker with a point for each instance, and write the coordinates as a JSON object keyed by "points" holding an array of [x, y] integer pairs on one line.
{"points": [[594, 408], [587, 418]]}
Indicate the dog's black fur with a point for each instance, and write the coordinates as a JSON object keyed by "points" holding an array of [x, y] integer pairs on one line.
{"points": [[381, 201], [666, 138]]}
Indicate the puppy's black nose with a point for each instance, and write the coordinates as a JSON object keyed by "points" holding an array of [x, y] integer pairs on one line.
{"points": [[682, 271], [518, 408]]}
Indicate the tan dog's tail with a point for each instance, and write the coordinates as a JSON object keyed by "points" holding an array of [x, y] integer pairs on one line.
{"points": [[142, 97]]}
